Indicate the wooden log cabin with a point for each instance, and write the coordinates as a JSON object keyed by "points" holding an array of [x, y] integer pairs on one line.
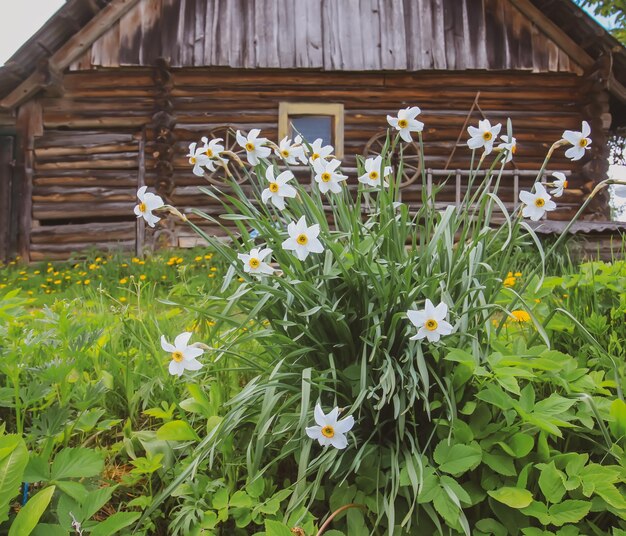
{"points": [[108, 94]]}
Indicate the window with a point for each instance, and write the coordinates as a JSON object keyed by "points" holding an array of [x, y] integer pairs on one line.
{"points": [[312, 121]]}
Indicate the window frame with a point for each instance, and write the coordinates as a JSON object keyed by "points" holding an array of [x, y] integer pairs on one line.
{"points": [[335, 110]]}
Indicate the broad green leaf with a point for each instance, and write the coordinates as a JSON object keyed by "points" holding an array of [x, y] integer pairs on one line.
{"points": [[28, 517], [256, 487], [554, 405], [240, 499], [220, 499], [276, 528], [446, 508], [95, 500], [457, 459], [74, 489], [37, 470], [12, 466], [611, 495], [618, 418], [76, 463], [176, 431], [46, 529], [551, 482], [491, 526], [570, 511], [500, 463], [513, 497], [113, 524]]}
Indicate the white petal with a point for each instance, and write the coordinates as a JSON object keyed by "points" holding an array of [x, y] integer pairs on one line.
{"points": [[474, 132], [289, 244], [572, 137], [192, 364], [405, 134], [433, 336], [339, 441], [320, 417], [441, 311], [176, 369], [182, 340], [288, 191], [315, 246], [166, 345], [269, 174], [476, 142], [191, 353], [301, 252], [445, 328], [141, 192], [527, 198], [278, 201], [314, 432], [265, 195], [344, 425], [586, 129], [429, 309], [241, 140], [393, 121], [418, 318]]}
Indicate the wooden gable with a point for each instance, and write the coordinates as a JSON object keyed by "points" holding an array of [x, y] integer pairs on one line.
{"points": [[345, 35]]}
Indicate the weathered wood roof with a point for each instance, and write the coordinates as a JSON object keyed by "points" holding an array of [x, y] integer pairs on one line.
{"points": [[350, 35], [346, 35]]}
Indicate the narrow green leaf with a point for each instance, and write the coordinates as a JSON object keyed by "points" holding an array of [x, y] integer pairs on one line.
{"points": [[28, 517]]}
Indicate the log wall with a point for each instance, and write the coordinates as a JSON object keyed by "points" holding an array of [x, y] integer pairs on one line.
{"points": [[86, 168]]}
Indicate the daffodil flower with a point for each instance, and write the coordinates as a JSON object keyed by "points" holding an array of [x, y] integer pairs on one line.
{"points": [[253, 262], [290, 152], [484, 136], [302, 239], [198, 159], [278, 188], [147, 203], [537, 204], [212, 150], [254, 146], [580, 142], [184, 356], [327, 176], [319, 151], [559, 184], [509, 146], [374, 171], [430, 321], [329, 430], [405, 122]]}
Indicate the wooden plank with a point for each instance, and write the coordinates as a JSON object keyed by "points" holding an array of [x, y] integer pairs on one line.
{"points": [[199, 33], [72, 49], [438, 33], [477, 32], [8, 232], [105, 52], [150, 44], [309, 38], [393, 35]]}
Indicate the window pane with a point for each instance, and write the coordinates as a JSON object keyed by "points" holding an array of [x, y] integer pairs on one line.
{"points": [[312, 127]]}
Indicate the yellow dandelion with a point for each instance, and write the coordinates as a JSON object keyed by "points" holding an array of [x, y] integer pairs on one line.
{"points": [[37, 272], [520, 316], [122, 299], [22, 272], [79, 282], [50, 269], [509, 282], [241, 279], [211, 275], [93, 266], [537, 300], [123, 281], [141, 263], [214, 269], [142, 277], [198, 259], [135, 260], [86, 281], [163, 277], [125, 265], [210, 323], [208, 257], [98, 259], [518, 274]]}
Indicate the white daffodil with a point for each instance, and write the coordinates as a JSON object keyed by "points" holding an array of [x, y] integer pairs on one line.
{"points": [[302, 239], [483, 136], [580, 142], [559, 184], [254, 146], [212, 150], [253, 262], [147, 203], [198, 159], [278, 188], [406, 123], [319, 151], [327, 176], [537, 204], [430, 321], [183, 354], [509, 146], [289, 151], [373, 172], [330, 431]]}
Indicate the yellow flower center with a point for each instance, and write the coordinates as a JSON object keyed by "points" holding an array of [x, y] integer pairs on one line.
{"points": [[249, 146], [487, 136], [328, 431], [285, 153], [142, 207], [273, 187], [565, 183], [209, 153], [431, 324], [373, 175], [326, 176], [177, 356], [254, 263], [302, 239], [583, 142], [192, 160], [315, 156], [514, 149], [403, 123], [540, 202]]}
